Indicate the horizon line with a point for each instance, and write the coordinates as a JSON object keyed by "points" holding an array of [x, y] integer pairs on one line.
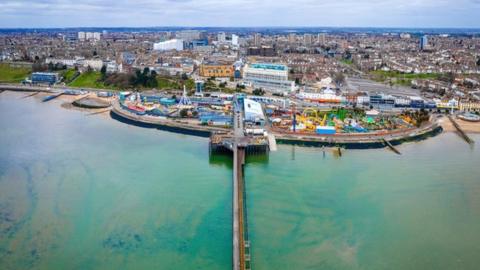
{"points": [[266, 26]]}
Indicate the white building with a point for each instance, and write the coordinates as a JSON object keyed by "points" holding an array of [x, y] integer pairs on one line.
{"points": [[270, 77], [234, 40], [95, 64], [97, 36], [173, 44], [112, 66], [89, 35], [221, 37], [67, 62], [326, 96], [81, 36]]}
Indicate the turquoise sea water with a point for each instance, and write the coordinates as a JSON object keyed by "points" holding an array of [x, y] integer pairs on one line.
{"points": [[88, 192]]}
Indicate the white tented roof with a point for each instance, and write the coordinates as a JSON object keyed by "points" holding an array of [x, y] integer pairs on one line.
{"points": [[253, 110]]}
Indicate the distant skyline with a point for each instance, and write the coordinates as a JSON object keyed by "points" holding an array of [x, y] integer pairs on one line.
{"points": [[240, 13]]}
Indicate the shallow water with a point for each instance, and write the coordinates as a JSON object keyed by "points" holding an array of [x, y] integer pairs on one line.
{"points": [[369, 209], [88, 192]]}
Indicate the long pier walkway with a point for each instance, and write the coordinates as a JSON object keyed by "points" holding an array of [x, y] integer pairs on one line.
{"points": [[241, 258]]}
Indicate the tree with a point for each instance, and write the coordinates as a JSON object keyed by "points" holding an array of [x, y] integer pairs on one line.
{"points": [[339, 78], [184, 76], [103, 71], [183, 113], [258, 92]]}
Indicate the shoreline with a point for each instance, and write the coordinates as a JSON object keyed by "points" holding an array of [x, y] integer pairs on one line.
{"points": [[353, 141], [358, 141]]}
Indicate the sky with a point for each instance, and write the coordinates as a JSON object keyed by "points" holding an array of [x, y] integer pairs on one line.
{"points": [[144, 13]]}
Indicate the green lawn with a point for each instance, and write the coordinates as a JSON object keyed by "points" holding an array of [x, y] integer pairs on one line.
{"points": [[395, 74], [89, 80], [165, 83], [68, 74], [346, 61], [11, 75]]}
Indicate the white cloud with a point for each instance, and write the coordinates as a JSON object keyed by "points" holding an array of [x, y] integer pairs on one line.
{"points": [[413, 13]]}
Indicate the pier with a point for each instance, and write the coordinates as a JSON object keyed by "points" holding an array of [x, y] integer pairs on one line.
{"points": [[462, 133], [240, 145], [241, 254]]}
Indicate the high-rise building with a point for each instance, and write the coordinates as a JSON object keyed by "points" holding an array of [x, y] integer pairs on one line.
{"points": [[97, 36], [257, 39], [321, 38], [292, 38], [307, 39], [81, 36], [234, 40], [423, 42], [221, 37], [188, 35]]}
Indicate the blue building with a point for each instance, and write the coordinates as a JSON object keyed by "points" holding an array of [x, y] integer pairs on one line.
{"points": [[423, 42], [44, 77]]}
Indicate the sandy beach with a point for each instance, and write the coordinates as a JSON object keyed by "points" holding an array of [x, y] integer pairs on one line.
{"points": [[469, 127]]}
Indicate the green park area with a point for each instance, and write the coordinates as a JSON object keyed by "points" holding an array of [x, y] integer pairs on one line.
{"points": [[68, 75], [119, 81], [398, 78], [90, 79], [10, 74]]}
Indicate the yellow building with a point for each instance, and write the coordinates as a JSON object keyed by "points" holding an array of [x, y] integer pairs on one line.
{"points": [[469, 106], [216, 70]]}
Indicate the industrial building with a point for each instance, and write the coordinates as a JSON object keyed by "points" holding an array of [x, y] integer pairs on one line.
{"points": [[270, 77], [215, 69], [173, 44]]}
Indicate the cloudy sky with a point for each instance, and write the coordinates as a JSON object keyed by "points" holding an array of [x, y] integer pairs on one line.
{"points": [[110, 13]]}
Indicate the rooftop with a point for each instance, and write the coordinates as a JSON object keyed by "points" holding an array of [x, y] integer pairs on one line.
{"points": [[268, 66]]}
